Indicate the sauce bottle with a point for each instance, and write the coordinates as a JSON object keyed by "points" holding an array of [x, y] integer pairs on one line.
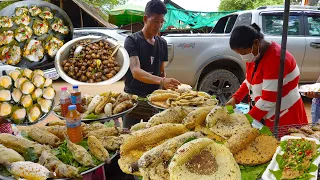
{"points": [[64, 101], [76, 98], [73, 122]]}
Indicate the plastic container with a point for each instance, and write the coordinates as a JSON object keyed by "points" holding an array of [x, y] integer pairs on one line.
{"points": [[73, 122], [76, 98], [64, 101]]}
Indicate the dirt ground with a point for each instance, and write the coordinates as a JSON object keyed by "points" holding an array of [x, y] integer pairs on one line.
{"points": [[118, 87]]}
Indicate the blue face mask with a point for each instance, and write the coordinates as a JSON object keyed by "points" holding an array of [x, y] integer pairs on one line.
{"points": [[250, 57]]}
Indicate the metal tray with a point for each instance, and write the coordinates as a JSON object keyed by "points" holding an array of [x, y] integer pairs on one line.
{"points": [[58, 12], [101, 119], [83, 173], [157, 107], [43, 117]]}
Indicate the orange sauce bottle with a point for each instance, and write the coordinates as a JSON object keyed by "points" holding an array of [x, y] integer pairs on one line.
{"points": [[73, 122]]}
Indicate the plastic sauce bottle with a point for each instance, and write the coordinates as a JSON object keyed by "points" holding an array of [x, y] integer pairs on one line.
{"points": [[64, 101], [74, 129], [76, 98]]}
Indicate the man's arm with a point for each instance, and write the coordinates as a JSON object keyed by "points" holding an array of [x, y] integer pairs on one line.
{"points": [[162, 73], [141, 74]]}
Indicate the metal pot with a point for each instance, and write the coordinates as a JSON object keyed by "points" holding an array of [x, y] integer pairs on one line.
{"points": [[121, 57]]}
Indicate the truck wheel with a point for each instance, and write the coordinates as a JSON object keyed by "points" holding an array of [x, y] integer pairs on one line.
{"points": [[221, 83]]}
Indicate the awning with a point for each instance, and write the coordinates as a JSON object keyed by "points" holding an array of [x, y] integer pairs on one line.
{"points": [[126, 14], [96, 12], [184, 19]]}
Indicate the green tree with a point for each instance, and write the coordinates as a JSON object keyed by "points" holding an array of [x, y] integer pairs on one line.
{"points": [[4, 4], [107, 4], [260, 3], [228, 5]]}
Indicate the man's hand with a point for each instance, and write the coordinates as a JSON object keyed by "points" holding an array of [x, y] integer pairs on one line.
{"points": [[312, 95], [170, 83], [232, 102]]}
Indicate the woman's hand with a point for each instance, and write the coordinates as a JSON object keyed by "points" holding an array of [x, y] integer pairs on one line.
{"points": [[312, 95], [232, 102]]}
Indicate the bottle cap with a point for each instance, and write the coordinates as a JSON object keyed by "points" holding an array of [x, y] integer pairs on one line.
{"points": [[72, 107], [75, 86], [64, 88]]}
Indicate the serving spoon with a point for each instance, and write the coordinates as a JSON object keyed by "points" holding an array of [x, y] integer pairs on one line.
{"points": [[78, 50]]}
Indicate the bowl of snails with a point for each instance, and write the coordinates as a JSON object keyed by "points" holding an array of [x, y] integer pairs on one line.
{"points": [[101, 61]]}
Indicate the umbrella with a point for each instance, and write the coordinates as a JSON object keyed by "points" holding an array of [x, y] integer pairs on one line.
{"points": [[126, 14]]}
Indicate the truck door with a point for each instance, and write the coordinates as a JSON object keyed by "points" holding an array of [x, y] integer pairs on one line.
{"points": [[311, 64], [272, 23]]}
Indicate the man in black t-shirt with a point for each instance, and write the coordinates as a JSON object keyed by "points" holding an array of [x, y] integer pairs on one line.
{"points": [[147, 53]]}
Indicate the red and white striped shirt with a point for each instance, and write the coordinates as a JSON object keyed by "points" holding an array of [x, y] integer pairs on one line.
{"points": [[264, 88]]}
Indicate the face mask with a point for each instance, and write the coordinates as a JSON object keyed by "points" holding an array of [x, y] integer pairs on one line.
{"points": [[250, 57]]}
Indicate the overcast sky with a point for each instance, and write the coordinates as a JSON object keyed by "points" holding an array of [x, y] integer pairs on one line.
{"points": [[194, 5]]}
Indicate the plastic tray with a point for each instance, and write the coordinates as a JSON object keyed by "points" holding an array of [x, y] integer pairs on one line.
{"points": [[267, 175], [310, 87]]}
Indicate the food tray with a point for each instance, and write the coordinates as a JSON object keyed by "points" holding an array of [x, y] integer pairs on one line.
{"points": [[10, 11], [267, 175], [121, 57], [310, 87], [43, 117], [157, 107], [83, 173], [101, 119]]}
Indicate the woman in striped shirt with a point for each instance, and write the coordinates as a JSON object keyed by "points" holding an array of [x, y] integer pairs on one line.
{"points": [[262, 68]]}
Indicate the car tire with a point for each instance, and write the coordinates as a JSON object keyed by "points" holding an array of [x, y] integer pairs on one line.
{"points": [[221, 83]]}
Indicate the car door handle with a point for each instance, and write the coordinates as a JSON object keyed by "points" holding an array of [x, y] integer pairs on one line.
{"points": [[315, 45]]}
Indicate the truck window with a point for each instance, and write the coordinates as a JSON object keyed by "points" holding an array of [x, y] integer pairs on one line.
{"points": [[314, 24], [244, 19], [230, 24], [272, 24], [225, 24]]}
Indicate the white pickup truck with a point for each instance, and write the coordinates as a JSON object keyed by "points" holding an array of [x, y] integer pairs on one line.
{"points": [[207, 62]]}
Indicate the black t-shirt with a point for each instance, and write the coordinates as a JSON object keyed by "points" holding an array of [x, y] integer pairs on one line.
{"points": [[150, 58]]}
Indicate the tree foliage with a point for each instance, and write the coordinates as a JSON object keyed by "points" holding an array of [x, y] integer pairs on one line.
{"points": [[228, 5], [108, 4], [4, 4]]}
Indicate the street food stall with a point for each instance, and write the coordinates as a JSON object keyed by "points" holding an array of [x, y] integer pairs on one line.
{"points": [[191, 136]]}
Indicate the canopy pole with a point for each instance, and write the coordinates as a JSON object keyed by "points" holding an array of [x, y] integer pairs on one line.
{"points": [[61, 4], [282, 62], [81, 18], [131, 23]]}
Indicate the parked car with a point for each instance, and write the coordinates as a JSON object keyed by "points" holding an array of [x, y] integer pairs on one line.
{"points": [[49, 68], [207, 62]]}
